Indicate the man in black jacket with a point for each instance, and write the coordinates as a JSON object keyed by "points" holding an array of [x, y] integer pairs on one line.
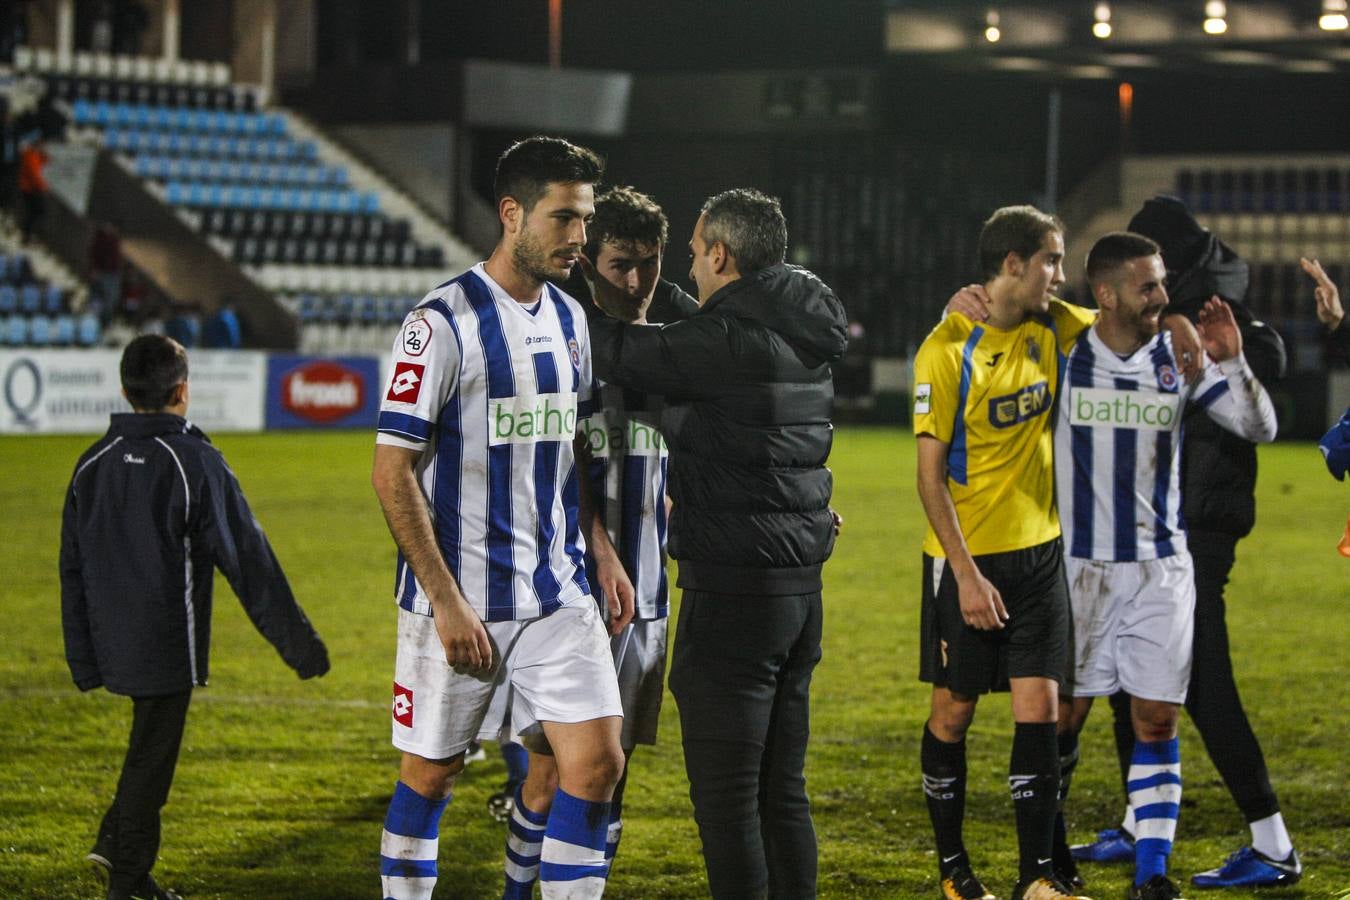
{"points": [[151, 509], [748, 390]]}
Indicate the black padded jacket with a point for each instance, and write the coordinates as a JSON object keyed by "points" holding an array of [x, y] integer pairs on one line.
{"points": [[152, 508], [749, 396]]}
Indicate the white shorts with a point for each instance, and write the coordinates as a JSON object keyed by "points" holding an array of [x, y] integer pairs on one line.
{"points": [[640, 661], [553, 669], [1133, 624]]}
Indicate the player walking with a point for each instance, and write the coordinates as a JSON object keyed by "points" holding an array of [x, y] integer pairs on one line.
{"points": [[476, 474]]}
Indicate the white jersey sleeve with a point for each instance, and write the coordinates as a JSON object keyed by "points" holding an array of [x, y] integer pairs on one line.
{"points": [[1230, 394], [424, 371]]}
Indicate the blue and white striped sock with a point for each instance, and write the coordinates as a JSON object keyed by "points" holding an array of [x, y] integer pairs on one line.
{"points": [[409, 845], [572, 861], [615, 830], [524, 841], [1155, 797]]}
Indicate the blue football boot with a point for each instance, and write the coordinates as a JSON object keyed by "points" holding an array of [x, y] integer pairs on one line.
{"points": [[1114, 845], [1250, 867]]}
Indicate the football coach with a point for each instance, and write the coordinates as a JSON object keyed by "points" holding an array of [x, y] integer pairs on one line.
{"points": [[748, 392]]}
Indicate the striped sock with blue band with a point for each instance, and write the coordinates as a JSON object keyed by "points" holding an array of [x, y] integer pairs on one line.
{"points": [[409, 845], [1155, 799], [572, 861], [524, 840]]}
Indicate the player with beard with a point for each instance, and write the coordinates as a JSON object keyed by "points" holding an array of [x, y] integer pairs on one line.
{"points": [[620, 273], [1131, 580], [481, 475]]}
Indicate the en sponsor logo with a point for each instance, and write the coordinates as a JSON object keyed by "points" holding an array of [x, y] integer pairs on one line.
{"points": [[322, 391], [1012, 409]]}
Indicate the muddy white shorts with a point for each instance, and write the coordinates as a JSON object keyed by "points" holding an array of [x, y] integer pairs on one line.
{"points": [[556, 668], [1133, 623], [640, 660]]}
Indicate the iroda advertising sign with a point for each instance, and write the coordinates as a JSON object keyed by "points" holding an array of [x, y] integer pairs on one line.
{"points": [[312, 392], [74, 391]]}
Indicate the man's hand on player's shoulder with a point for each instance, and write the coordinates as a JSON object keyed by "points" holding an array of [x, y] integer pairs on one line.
{"points": [[971, 301]]}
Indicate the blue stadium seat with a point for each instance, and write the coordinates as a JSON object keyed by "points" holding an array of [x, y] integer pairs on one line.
{"points": [[88, 330], [39, 330], [15, 330], [30, 299], [53, 300], [9, 299], [63, 330]]}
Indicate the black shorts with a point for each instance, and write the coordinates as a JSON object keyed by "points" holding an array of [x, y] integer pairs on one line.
{"points": [[1033, 644]]}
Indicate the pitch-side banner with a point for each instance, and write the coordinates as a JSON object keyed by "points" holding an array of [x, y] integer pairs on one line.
{"points": [[74, 391]]}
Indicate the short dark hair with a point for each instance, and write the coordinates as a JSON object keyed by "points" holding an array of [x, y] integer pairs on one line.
{"points": [[152, 367], [751, 226], [528, 167], [1115, 249], [626, 216], [1014, 229]]}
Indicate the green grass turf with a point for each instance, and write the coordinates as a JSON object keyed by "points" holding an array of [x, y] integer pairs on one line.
{"points": [[282, 784]]}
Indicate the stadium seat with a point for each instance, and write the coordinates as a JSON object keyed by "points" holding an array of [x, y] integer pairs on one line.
{"points": [[88, 330], [9, 299], [63, 330], [39, 330], [30, 299], [53, 300]]}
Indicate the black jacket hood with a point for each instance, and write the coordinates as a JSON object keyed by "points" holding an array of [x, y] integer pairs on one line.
{"points": [[793, 302]]}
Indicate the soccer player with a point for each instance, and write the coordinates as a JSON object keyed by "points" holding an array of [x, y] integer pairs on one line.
{"points": [[1117, 458], [151, 509], [1218, 478], [995, 605], [620, 273], [476, 472]]}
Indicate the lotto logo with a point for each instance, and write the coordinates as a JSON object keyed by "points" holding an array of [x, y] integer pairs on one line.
{"points": [[407, 382], [403, 705]]}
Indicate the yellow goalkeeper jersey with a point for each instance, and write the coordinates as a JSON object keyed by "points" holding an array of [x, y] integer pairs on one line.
{"points": [[988, 395]]}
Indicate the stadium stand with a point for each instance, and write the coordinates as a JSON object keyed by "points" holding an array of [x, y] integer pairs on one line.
{"points": [[263, 186]]}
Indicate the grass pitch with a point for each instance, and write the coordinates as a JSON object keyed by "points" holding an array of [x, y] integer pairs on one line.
{"points": [[282, 785]]}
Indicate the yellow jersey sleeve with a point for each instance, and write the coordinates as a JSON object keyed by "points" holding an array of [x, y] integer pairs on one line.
{"points": [[1070, 320], [937, 378]]}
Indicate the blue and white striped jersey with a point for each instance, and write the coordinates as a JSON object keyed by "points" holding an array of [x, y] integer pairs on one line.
{"points": [[629, 458], [1117, 443], [491, 391]]}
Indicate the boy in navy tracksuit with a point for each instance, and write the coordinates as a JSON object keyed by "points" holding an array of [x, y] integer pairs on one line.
{"points": [[152, 508]]}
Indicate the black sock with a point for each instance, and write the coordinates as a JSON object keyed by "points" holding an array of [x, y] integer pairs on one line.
{"points": [[1068, 761], [1033, 777], [944, 784]]}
